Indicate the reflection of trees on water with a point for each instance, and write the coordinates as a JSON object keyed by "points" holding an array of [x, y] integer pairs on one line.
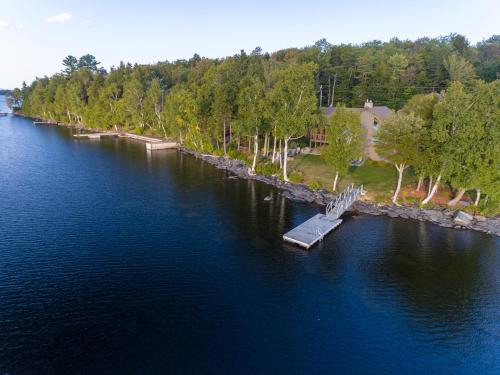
{"points": [[444, 277], [190, 179], [251, 217], [252, 226]]}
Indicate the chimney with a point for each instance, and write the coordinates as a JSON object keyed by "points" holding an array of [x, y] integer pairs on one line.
{"points": [[368, 104]]}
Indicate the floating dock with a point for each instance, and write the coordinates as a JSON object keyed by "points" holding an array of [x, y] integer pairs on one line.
{"points": [[312, 231], [317, 227]]}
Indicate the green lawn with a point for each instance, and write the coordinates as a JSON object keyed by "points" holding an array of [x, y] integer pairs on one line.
{"points": [[378, 178]]}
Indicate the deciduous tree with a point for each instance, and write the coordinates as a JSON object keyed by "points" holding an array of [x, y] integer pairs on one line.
{"points": [[345, 138], [294, 103], [398, 141]]}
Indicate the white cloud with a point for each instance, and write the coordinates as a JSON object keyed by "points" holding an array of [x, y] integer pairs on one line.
{"points": [[59, 18], [10, 27], [88, 22]]}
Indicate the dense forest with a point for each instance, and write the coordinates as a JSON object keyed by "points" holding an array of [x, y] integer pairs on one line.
{"points": [[444, 92]]}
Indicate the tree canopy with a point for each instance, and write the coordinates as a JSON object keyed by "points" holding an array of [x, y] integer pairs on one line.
{"points": [[447, 89], [345, 141]]}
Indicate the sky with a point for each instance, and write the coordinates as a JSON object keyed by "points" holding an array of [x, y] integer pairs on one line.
{"points": [[35, 35]]}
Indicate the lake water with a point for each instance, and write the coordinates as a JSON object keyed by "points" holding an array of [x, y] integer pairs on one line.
{"points": [[116, 261]]}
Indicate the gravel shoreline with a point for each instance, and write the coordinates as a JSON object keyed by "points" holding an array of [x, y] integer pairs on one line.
{"points": [[301, 193]]}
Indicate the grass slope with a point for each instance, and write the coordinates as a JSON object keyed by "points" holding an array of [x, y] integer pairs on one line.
{"points": [[378, 178]]}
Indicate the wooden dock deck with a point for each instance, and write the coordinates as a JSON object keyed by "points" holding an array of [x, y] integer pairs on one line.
{"points": [[96, 135], [312, 230], [162, 145], [140, 137], [151, 143]]}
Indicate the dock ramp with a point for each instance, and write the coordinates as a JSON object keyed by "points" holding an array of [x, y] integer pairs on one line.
{"points": [[313, 230]]}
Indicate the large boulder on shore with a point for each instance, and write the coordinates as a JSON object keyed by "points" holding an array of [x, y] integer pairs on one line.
{"points": [[463, 218]]}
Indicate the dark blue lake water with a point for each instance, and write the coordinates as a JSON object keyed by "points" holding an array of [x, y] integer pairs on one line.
{"points": [[116, 261]]}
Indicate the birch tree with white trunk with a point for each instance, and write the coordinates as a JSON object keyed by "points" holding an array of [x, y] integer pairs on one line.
{"points": [[293, 102], [251, 112], [457, 138], [155, 100], [345, 138], [486, 167], [398, 141], [423, 105]]}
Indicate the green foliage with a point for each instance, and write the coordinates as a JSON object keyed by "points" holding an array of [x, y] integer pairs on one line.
{"points": [[411, 200], [235, 154], [459, 69], [399, 138], [211, 105], [428, 206], [15, 99], [70, 64], [466, 134], [345, 140], [293, 101], [268, 169], [422, 106], [488, 61], [490, 208], [138, 130], [315, 185], [372, 163], [295, 178], [88, 62]]}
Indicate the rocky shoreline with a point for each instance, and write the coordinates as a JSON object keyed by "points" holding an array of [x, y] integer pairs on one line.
{"points": [[301, 193]]}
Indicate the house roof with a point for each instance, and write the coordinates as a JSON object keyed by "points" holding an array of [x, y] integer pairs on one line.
{"points": [[381, 112]]}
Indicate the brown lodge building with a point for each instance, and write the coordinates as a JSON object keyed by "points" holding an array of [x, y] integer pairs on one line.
{"points": [[371, 117]]}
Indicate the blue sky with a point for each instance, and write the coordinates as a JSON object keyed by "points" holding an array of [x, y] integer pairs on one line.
{"points": [[36, 35]]}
